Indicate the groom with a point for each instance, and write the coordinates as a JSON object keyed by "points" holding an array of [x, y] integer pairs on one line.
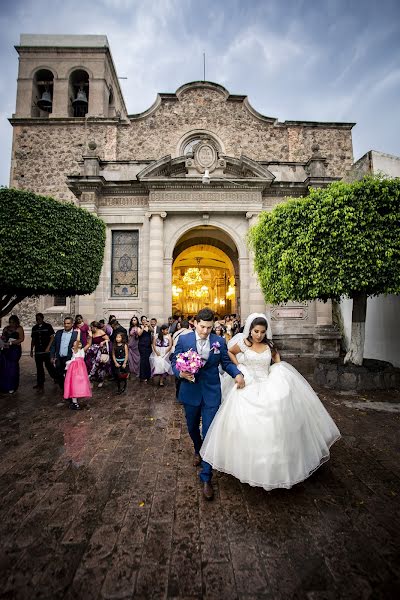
{"points": [[200, 394]]}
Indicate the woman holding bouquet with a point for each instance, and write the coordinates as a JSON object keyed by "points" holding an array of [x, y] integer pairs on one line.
{"points": [[200, 390], [133, 345]]}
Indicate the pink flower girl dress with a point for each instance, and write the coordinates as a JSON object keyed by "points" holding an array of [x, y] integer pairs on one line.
{"points": [[77, 383]]}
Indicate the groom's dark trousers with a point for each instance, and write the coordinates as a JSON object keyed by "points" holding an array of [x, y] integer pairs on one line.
{"points": [[202, 399]]}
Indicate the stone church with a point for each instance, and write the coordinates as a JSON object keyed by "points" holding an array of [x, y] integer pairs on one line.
{"points": [[177, 185]]}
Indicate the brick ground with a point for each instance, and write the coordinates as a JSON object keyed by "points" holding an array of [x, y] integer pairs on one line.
{"points": [[104, 503]]}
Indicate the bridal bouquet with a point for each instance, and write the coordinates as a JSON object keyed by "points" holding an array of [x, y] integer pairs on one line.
{"points": [[189, 361]]}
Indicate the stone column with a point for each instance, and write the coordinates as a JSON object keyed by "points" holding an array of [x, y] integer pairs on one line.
{"points": [[87, 305], [167, 288], [156, 266], [60, 99], [256, 299], [244, 287], [144, 264]]}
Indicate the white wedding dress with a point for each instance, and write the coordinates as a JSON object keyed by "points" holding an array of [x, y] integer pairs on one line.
{"points": [[274, 432]]}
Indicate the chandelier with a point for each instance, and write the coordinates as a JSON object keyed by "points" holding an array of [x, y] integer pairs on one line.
{"points": [[198, 293], [192, 276]]}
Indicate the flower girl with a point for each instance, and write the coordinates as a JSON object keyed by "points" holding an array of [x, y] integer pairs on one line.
{"points": [[76, 384]]}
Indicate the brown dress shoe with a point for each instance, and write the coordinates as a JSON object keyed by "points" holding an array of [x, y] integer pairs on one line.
{"points": [[197, 460], [208, 491]]}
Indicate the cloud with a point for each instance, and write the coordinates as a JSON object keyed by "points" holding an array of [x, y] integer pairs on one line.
{"points": [[293, 61]]}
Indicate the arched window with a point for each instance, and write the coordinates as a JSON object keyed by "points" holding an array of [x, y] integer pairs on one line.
{"points": [[78, 93], [189, 144], [42, 93]]}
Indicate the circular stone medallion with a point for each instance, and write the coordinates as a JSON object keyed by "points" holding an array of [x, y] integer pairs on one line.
{"points": [[205, 155]]}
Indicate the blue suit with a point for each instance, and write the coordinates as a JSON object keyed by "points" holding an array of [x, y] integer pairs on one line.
{"points": [[61, 360], [202, 398]]}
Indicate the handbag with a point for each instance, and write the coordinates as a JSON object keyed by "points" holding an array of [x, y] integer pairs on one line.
{"points": [[123, 373], [105, 354]]}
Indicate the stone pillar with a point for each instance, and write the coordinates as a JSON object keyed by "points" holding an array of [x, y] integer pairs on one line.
{"points": [[156, 266], [244, 288], [144, 264], [87, 305], [324, 313], [256, 299], [167, 288], [61, 99]]}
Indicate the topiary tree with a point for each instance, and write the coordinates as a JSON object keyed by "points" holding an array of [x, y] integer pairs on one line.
{"points": [[343, 240], [46, 247]]}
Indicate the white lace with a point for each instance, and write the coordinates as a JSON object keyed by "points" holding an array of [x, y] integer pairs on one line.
{"points": [[258, 364]]}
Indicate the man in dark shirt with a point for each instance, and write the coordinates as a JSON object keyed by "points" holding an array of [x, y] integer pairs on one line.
{"points": [[41, 339], [117, 328]]}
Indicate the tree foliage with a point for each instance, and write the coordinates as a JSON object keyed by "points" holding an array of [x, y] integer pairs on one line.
{"points": [[339, 241], [47, 247]]}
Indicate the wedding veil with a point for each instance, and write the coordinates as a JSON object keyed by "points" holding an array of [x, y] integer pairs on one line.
{"points": [[246, 330]]}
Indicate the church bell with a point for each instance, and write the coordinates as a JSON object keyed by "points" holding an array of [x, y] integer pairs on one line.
{"points": [[45, 102], [80, 100]]}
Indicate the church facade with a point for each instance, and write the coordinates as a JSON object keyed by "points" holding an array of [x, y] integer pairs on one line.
{"points": [[178, 186]]}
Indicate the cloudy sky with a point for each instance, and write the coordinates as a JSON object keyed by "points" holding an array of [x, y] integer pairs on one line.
{"points": [[331, 60]]}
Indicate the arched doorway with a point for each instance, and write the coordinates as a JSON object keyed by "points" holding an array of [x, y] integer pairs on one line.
{"points": [[205, 272]]}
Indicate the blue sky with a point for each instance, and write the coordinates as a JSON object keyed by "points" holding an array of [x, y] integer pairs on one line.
{"points": [[332, 60]]}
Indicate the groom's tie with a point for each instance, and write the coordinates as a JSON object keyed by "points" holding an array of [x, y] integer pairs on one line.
{"points": [[201, 348]]}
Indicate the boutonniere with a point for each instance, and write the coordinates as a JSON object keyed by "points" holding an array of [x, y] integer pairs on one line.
{"points": [[216, 346]]}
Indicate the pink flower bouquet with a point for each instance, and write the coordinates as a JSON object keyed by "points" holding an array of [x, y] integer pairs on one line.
{"points": [[189, 362]]}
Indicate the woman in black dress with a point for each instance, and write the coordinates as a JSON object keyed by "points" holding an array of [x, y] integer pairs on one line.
{"points": [[145, 334]]}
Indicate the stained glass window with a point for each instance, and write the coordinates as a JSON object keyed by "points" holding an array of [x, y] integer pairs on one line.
{"points": [[124, 267]]}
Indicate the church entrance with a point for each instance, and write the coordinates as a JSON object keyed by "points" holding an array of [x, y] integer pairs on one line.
{"points": [[205, 273]]}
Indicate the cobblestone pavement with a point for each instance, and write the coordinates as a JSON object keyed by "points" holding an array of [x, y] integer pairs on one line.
{"points": [[104, 503]]}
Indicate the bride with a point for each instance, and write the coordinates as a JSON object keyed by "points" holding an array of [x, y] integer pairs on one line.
{"points": [[275, 431]]}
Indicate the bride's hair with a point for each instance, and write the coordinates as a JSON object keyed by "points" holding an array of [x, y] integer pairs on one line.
{"points": [[265, 340]]}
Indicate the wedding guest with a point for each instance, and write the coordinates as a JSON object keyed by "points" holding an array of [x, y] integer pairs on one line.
{"points": [[120, 359], [61, 349], [42, 337], [83, 327], [228, 328], [10, 354], [219, 329], [97, 357], [76, 384], [117, 328], [133, 346], [154, 326], [106, 327], [159, 358], [144, 345]]}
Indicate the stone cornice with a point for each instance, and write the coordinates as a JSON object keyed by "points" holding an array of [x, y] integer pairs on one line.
{"points": [[52, 121]]}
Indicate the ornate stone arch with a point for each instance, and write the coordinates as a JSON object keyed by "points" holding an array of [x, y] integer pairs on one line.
{"points": [[79, 68], [199, 134], [238, 241], [44, 68]]}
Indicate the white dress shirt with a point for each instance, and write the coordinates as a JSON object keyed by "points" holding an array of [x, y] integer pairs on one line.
{"points": [[203, 346]]}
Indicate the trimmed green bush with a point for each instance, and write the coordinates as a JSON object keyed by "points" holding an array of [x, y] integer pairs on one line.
{"points": [[342, 240], [46, 247]]}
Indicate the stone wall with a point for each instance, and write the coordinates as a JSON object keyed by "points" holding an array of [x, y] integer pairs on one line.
{"points": [[160, 131], [44, 154]]}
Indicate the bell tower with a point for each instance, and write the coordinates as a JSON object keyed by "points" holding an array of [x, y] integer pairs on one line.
{"points": [[67, 76]]}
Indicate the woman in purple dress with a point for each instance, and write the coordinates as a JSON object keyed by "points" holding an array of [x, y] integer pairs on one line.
{"points": [[97, 357], [80, 325], [133, 346], [10, 353]]}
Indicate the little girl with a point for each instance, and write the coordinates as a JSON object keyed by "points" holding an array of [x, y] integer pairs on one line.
{"points": [[120, 360], [159, 358], [76, 384]]}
